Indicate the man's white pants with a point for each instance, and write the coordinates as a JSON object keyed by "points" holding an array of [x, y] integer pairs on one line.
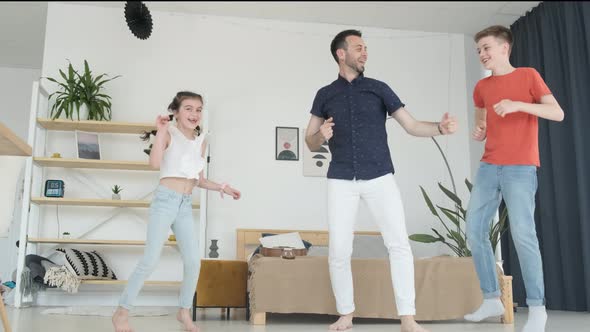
{"points": [[384, 201]]}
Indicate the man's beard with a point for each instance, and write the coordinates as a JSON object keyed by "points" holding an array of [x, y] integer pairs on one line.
{"points": [[353, 66]]}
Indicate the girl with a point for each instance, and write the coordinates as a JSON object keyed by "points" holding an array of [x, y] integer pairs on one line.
{"points": [[179, 153]]}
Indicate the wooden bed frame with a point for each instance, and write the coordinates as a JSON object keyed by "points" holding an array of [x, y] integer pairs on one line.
{"points": [[249, 238]]}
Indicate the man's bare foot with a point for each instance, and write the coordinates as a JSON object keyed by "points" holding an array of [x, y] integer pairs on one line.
{"points": [[410, 325], [121, 320], [343, 323], [184, 317]]}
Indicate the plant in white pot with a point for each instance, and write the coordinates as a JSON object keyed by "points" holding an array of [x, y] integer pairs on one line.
{"points": [[91, 95], [116, 190], [67, 99], [81, 94]]}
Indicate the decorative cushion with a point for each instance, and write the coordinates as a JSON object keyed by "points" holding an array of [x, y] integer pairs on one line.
{"points": [[318, 251], [35, 265], [364, 246], [369, 246], [87, 265]]}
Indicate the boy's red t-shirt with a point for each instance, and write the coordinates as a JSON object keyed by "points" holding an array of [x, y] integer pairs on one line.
{"points": [[512, 140]]}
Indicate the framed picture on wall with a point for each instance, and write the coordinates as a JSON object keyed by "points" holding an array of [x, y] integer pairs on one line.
{"points": [[315, 163], [87, 145], [287, 143]]}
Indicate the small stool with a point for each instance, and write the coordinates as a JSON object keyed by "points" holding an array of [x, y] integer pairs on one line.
{"points": [[222, 284]]}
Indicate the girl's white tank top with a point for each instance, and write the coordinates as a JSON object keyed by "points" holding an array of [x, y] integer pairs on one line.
{"points": [[183, 157]]}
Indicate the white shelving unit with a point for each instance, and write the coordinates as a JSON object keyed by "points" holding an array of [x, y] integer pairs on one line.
{"points": [[34, 200]]}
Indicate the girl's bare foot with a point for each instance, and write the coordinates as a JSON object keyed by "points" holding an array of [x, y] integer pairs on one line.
{"points": [[343, 323], [121, 320], [184, 317]]}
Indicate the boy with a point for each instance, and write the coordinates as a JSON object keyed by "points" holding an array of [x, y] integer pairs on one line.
{"points": [[508, 104]]}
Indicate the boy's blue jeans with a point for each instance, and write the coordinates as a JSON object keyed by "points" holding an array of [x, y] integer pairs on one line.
{"points": [[169, 209], [517, 185]]}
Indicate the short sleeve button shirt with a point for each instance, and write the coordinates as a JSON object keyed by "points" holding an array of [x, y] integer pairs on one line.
{"points": [[359, 110]]}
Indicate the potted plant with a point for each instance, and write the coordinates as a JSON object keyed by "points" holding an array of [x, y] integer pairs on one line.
{"points": [[90, 93], [81, 94], [456, 238], [67, 99], [116, 190], [66, 235]]}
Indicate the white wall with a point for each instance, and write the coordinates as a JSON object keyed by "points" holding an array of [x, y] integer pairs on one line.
{"points": [[289, 63], [474, 71], [15, 94], [254, 75]]}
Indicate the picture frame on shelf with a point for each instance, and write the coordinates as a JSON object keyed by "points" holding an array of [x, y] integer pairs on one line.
{"points": [[88, 145]]}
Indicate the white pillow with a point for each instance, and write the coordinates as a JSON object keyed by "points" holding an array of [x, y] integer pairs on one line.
{"points": [[369, 246], [87, 265]]}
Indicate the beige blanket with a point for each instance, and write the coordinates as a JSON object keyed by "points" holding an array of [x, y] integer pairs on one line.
{"points": [[446, 287]]}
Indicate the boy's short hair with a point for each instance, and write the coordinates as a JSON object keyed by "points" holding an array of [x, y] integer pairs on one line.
{"points": [[498, 31]]}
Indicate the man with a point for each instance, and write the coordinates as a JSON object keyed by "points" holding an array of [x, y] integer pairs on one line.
{"points": [[350, 113]]}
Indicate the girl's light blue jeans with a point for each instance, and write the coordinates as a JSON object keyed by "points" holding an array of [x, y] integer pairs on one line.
{"points": [[169, 209], [517, 184]]}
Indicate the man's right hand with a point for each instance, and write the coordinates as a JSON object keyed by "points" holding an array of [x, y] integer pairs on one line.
{"points": [[479, 132], [326, 129]]}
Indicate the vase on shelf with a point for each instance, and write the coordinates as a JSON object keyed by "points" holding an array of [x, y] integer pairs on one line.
{"points": [[213, 253]]}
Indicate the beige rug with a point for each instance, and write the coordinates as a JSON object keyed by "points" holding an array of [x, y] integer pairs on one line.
{"points": [[106, 311]]}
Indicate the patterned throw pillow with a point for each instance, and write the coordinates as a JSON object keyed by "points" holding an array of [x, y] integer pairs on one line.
{"points": [[87, 265]]}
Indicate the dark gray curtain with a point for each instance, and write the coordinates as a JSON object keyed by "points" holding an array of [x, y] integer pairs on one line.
{"points": [[554, 38]]}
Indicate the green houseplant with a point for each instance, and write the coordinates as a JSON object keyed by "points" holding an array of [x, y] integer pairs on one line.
{"points": [[116, 192], [81, 91], [67, 99], [91, 94], [456, 238]]}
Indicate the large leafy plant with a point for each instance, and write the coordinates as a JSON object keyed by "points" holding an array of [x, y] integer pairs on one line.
{"points": [[77, 90], [90, 92], [456, 238], [67, 99]]}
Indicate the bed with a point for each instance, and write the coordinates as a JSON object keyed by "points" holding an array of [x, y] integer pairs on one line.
{"points": [[446, 287]]}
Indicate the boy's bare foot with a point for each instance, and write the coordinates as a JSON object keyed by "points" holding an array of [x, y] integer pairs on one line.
{"points": [[343, 323], [184, 317], [121, 320], [410, 325]]}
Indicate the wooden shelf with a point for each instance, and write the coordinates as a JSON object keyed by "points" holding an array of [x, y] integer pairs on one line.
{"points": [[96, 126], [90, 163], [12, 145], [124, 282], [90, 241], [94, 202]]}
